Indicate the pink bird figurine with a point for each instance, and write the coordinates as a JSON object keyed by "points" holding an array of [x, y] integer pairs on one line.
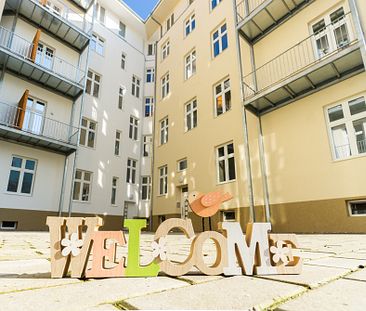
{"points": [[207, 205]]}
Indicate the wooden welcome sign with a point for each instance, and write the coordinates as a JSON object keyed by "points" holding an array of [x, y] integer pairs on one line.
{"points": [[258, 252]]}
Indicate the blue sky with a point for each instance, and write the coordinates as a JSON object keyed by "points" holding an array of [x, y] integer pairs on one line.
{"points": [[141, 7]]}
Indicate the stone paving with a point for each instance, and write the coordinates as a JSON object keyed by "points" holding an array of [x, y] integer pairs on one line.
{"points": [[333, 279]]}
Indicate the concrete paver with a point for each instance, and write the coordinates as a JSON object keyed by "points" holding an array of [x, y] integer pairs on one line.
{"points": [[346, 263]]}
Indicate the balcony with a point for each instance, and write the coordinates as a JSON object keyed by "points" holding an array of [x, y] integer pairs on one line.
{"points": [[84, 4], [30, 128], [257, 18], [20, 57], [56, 18], [329, 56]]}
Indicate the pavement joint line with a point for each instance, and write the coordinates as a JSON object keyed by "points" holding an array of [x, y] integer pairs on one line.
{"points": [[124, 305], [308, 263], [37, 288], [282, 301]]}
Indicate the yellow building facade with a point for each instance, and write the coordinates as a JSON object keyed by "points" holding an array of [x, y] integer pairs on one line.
{"points": [[265, 100]]}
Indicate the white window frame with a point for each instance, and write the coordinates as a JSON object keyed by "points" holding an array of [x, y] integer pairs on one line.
{"points": [[190, 25], [164, 131], [350, 209], [179, 169], [190, 64], [150, 73], [224, 215], [224, 89], [114, 191], [163, 180], [136, 86], [88, 131], [82, 182], [147, 185], [131, 173], [217, 3], [123, 60], [147, 146], [191, 110], [97, 44], [2, 227], [101, 16], [121, 96], [22, 171], [133, 128], [149, 102], [347, 120], [219, 38], [225, 158], [122, 30], [93, 83], [117, 143], [165, 49], [165, 85], [151, 49]]}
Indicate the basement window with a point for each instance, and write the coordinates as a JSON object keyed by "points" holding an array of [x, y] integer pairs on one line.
{"points": [[8, 225], [228, 216], [357, 208]]}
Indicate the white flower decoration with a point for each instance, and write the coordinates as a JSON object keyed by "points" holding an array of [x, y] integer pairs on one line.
{"points": [[71, 245], [280, 252], [159, 249]]}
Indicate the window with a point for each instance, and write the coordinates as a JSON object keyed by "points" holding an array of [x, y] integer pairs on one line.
{"points": [[82, 186], [147, 145], [34, 116], [357, 208], [347, 127], [88, 132], [331, 33], [136, 82], [150, 75], [100, 13], [225, 163], [97, 44], [222, 97], [122, 29], [146, 188], [163, 180], [182, 165], [123, 61], [44, 56], [165, 50], [131, 171], [149, 107], [228, 216], [191, 115], [117, 143], [215, 3], [170, 22], [219, 40], [133, 132], [93, 84], [150, 50], [190, 24], [8, 225], [190, 65], [21, 177], [165, 86], [121, 94], [164, 131], [114, 190]]}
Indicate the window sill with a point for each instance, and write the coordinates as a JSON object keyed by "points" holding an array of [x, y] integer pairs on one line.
{"points": [[81, 202], [226, 182], [162, 196], [349, 158], [19, 194], [220, 115]]}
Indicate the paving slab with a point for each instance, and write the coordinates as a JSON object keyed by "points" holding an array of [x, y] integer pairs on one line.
{"points": [[346, 263], [358, 275], [229, 293], [345, 295], [353, 255], [85, 295], [311, 276], [24, 267]]}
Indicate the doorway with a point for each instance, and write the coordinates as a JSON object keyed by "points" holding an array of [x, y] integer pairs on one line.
{"points": [[184, 205]]}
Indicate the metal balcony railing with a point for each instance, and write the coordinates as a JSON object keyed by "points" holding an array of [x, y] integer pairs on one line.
{"points": [[23, 48], [60, 9], [329, 41], [34, 123], [245, 7]]}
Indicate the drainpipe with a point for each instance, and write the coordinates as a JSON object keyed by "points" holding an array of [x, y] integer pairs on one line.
{"points": [[359, 30], [80, 117], [245, 124], [62, 193]]}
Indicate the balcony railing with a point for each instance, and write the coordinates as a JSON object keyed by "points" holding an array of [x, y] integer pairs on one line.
{"points": [[36, 124], [329, 41], [23, 49], [60, 9], [245, 7]]}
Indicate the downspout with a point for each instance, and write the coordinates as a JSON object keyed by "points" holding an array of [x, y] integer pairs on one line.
{"points": [[80, 117], [359, 30], [245, 123]]}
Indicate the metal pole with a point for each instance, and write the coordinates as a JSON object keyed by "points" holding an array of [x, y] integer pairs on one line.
{"points": [[359, 29], [62, 193], [245, 124]]}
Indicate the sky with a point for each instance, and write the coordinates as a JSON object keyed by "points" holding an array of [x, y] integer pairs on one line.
{"points": [[142, 7]]}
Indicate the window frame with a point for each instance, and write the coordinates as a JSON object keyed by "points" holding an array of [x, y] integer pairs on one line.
{"points": [[190, 24], [82, 181], [163, 180], [114, 191], [123, 60], [133, 132], [97, 41], [150, 75], [225, 158], [190, 115], [218, 2], [147, 141], [136, 86], [118, 141], [165, 85], [219, 39], [165, 49], [164, 131], [131, 171], [122, 31], [350, 208], [222, 94], [148, 186], [88, 130], [149, 103], [190, 65], [93, 82], [179, 170]]}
